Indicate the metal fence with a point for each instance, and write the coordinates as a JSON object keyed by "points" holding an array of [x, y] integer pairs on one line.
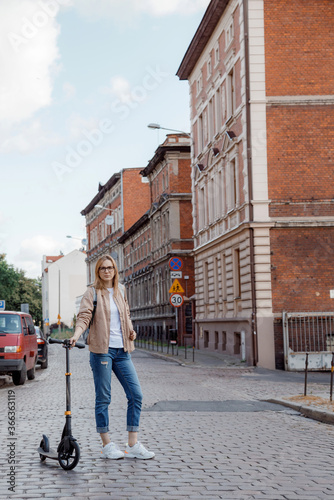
{"points": [[308, 332]]}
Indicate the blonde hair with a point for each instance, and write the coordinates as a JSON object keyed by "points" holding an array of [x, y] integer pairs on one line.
{"points": [[98, 283]]}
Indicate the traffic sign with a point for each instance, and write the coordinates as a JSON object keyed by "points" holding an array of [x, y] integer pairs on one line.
{"points": [[2, 304], [176, 287], [176, 274], [175, 263], [176, 300]]}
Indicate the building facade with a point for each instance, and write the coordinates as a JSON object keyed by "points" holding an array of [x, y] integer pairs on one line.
{"points": [[260, 97], [164, 231], [114, 209], [63, 280]]}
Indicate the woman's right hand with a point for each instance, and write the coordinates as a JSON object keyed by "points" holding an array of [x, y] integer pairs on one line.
{"points": [[73, 340]]}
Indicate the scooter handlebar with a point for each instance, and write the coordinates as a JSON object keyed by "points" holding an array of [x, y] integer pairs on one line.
{"points": [[66, 342]]}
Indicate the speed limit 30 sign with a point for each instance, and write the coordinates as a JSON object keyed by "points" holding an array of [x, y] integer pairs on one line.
{"points": [[176, 299]]}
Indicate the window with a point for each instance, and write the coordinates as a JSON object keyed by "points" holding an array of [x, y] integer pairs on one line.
{"points": [[211, 120], [205, 128], [230, 93], [211, 200], [223, 102], [220, 193], [218, 116], [209, 68], [216, 340], [200, 134], [199, 84], [229, 35], [216, 53], [223, 341], [206, 282], [236, 274], [216, 279], [237, 342], [224, 277], [233, 185], [202, 211]]}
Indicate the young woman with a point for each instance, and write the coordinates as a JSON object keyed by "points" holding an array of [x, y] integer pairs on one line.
{"points": [[110, 341]]}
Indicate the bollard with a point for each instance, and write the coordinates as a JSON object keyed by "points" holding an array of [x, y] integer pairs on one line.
{"points": [[306, 366], [193, 354], [185, 350], [332, 369]]}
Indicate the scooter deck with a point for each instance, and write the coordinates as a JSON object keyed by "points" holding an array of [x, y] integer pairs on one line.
{"points": [[48, 454]]}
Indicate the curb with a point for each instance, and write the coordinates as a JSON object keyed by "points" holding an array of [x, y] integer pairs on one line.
{"points": [[161, 356], [196, 364], [307, 411]]}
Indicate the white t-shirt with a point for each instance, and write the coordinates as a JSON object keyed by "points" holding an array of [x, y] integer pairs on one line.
{"points": [[116, 338]]}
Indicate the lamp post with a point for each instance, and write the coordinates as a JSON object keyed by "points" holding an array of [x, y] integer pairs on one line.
{"points": [[156, 126], [104, 208]]}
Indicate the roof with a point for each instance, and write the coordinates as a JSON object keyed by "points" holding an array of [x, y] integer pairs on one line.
{"points": [[52, 258], [161, 152], [204, 31], [102, 189]]}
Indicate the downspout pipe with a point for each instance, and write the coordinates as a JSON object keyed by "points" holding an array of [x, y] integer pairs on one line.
{"points": [[250, 183]]}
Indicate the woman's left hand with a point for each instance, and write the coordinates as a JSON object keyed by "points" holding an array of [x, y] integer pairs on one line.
{"points": [[133, 335]]}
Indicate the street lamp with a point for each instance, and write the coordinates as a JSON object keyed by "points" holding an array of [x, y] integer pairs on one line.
{"points": [[156, 126], [104, 208]]}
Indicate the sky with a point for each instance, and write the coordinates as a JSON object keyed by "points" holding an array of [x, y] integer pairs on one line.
{"points": [[80, 82]]}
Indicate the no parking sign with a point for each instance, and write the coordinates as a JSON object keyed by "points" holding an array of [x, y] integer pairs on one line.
{"points": [[175, 263]]}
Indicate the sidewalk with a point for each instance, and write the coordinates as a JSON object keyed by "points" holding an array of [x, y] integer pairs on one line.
{"points": [[315, 405], [201, 358]]}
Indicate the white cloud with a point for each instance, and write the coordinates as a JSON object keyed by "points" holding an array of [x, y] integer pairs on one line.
{"points": [[119, 87], [157, 8], [32, 249], [29, 54], [76, 124], [28, 138]]}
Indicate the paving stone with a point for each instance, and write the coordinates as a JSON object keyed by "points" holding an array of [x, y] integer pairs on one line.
{"points": [[253, 455]]}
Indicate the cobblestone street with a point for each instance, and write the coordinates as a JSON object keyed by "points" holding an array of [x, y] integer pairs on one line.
{"points": [[213, 435]]}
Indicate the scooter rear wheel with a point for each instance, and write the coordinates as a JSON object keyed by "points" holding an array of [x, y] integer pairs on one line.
{"points": [[68, 459]]}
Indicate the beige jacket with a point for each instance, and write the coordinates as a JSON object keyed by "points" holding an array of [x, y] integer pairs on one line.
{"points": [[99, 331]]}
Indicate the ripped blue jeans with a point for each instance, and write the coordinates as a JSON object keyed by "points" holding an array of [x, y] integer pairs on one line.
{"points": [[119, 362]]}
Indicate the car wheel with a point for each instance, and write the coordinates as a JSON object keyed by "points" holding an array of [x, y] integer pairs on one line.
{"points": [[45, 363], [31, 372], [19, 377]]}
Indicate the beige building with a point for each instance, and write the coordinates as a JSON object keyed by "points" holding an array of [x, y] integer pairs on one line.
{"points": [[231, 224]]}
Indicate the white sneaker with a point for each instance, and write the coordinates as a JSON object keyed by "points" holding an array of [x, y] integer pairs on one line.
{"points": [[138, 451], [112, 451]]}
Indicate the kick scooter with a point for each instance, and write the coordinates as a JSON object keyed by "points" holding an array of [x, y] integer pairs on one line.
{"points": [[68, 451]]}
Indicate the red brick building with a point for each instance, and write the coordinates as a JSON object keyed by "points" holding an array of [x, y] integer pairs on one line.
{"points": [[114, 209], [261, 80], [164, 231]]}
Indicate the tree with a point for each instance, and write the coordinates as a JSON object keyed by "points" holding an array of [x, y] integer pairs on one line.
{"points": [[17, 289]]}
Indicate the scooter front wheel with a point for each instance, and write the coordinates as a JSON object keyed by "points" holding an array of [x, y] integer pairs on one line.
{"points": [[68, 459]]}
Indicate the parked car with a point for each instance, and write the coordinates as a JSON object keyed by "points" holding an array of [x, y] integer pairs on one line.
{"points": [[18, 346], [42, 348]]}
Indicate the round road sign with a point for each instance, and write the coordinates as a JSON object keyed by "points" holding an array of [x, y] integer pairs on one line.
{"points": [[175, 263], [176, 299]]}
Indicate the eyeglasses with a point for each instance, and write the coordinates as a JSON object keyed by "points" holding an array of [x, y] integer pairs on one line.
{"points": [[106, 269]]}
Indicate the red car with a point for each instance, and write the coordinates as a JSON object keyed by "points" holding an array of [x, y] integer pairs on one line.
{"points": [[18, 346]]}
